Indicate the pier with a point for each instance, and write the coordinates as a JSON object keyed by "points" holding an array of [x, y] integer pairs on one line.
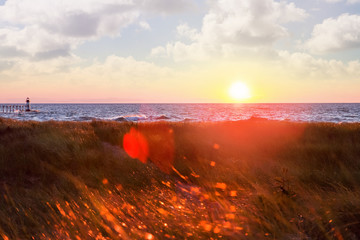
{"points": [[12, 108]]}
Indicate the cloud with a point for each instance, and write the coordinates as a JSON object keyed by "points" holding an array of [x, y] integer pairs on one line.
{"points": [[167, 7], [337, 1], [335, 34], [9, 52], [302, 65], [232, 24], [121, 78], [58, 26], [5, 65], [333, 1], [184, 31], [123, 70], [144, 25]]}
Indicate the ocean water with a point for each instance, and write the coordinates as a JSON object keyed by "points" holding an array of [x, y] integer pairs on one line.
{"points": [[339, 112]]}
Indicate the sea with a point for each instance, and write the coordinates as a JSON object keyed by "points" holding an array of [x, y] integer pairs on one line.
{"points": [[307, 112]]}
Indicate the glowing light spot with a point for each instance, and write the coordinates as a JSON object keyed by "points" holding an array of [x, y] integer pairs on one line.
{"points": [[62, 212], [118, 229], [206, 226], [212, 164], [230, 216], [163, 212], [233, 193], [105, 181], [227, 225], [136, 145], [221, 186], [239, 91], [216, 230], [216, 146], [149, 236], [195, 190]]}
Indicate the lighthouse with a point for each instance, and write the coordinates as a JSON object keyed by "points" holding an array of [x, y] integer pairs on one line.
{"points": [[27, 106]]}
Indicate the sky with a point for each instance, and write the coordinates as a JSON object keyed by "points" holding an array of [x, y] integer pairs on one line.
{"points": [[169, 51]]}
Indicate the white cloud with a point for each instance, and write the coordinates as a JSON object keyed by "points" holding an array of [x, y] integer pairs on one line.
{"points": [[144, 25], [42, 28], [184, 31], [302, 65], [113, 69], [119, 78], [335, 34], [233, 24], [124, 71]]}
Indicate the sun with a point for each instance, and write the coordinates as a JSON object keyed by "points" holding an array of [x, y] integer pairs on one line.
{"points": [[239, 91]]}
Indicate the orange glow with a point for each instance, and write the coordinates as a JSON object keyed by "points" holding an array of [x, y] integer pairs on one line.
{"points": [[105, 181], [206, 226], [220, 186], [216, 229], [136, 145], [149, 236], [233, 193], [161, 146]]}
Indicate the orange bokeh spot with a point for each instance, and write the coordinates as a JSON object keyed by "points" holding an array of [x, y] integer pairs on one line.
{"points": [[105, 181], [216, 229], [149, 236], [136, 145], [220, 186]]}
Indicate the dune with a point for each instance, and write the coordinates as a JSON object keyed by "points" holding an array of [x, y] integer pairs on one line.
{"points": [[254, 179]]}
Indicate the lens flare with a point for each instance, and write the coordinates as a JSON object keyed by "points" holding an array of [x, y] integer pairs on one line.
{"points": [[136, 145]]}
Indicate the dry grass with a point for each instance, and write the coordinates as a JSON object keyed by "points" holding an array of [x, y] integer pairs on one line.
{"points": [[226, 180]]}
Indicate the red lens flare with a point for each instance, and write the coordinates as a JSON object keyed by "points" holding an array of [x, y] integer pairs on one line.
{"points": [[136, 145], [155, 144]]}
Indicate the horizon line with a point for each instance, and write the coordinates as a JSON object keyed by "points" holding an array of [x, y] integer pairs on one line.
{"points": [[183, 103]]}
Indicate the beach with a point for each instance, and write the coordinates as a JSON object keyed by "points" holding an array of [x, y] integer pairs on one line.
{"points": [[249, 179]]}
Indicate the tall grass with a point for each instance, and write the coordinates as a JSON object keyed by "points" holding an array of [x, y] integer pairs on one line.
{"points": [[225, 180]]}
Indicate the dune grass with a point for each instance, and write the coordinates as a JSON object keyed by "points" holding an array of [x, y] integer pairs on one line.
{"points": [[227, 180]]}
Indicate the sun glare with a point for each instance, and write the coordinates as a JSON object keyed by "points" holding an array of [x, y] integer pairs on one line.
{"points": [[239, 91]]}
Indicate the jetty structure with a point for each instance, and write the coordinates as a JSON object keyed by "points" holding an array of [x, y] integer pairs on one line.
{"points": [[12, 108], [27, 106]]}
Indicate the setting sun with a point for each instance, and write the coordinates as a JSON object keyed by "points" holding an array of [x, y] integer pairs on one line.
{"points": [[239, 91]]}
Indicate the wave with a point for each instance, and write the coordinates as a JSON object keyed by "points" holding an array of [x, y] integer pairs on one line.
{"points": [[86, 118], [162, 117], [131, 118]]}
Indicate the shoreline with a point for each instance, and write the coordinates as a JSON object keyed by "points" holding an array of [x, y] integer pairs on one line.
{"points": [[163, 120]]}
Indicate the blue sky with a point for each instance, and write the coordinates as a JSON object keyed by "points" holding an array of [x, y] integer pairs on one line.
{"points": [[179, 51]]}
